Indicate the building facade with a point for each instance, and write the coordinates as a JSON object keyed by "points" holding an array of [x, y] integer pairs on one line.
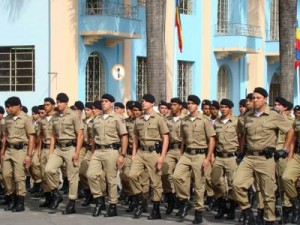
{"points": [[47, 47]]}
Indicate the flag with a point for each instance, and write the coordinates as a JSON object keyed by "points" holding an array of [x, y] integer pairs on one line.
{"points": [[297, 61], [179, 27]]}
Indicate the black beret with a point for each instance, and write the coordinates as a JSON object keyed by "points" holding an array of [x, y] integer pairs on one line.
{"points": [[13, 101], [73, 107], [149, 98], [249, 96], [205, 102], [35, 109], [281, 100], [290, 105], [169, 105], [215, 104], [24, 109], [137, 105], [227, 102], [297, 108], [195, 99], [185, 105], [162, 102], [89, 105], [62, 97], [109, 97], [79, 105], [97, 105], [176, 100], [41, 107], [261, 91], [242, 102], [2, 110], [129, 104], [49, 100], [120, 105]]}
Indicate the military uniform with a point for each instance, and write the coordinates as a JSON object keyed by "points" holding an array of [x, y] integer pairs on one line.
{"points": [[260, 136], [107, 130], [17, 129]]}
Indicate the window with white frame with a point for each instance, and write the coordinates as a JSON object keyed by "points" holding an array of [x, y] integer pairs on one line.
{"points": [[186, 7], [141, 2], [274, 25], [95, 78], [17, 68], [274, 88], [94, 7], [222, 16], [141, 77], [223, 84], [184, 79]]}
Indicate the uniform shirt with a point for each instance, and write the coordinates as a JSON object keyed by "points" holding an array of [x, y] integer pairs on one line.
{"points": [[296, 126], [150, 131], [281, 135], [227, 139], [2, 122], [129, 127], [87, 126], [66, 125], [108, 130], [45, 128], [196, 132], [18, 128], [174, 128], [261, 132]]}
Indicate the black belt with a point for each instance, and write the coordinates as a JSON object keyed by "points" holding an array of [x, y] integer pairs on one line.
{"points": [[18, 146], [174, 146], [110, 146], [66, 144], [297, 150], [129, 151], [148, 148], [45, 146], [196, 151], [267, 152], [224, 154], [87, 146]]}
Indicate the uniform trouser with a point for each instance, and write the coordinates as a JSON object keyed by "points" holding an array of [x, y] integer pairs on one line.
{"points": [[124, 175], [14, 171], [264, 171], [148, 160], [55, 161], [84, 165], [43, 161], [223, 168], [103, 167], [280, 168], [35, 168], [168, 168], [291, 175], [259, 197], [208, 185], [190, 163]]}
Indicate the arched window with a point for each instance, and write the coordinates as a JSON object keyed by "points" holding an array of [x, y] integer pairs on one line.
{"points": [[223, 84], [274, 88], [222, 16], [95, 78]]}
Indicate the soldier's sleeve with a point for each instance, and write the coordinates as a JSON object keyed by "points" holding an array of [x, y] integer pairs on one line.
{"points": [[121, 126], [209, 129], [282, 123], [240, 125], [29, 127], [135, 131], [162, 126], [78, 125], [182, 135]]}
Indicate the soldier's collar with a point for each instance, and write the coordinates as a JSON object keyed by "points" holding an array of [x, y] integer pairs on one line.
{"points": [[199, 116]]}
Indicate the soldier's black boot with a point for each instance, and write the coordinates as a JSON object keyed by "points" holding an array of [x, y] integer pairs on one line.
{"points": [[171, 201], [35, 188], [65, 186], [20, 204], [212, 204], [285, 214], [56, 196], [138, 205], [111, 211], [70, 209], [5, 200], [130, 204], [40, 193], [48, 200], [294, 219], [88, 198], [198, 217], [27, 183], [184, 208], [269, 222], [231, 212], [221, 206], [248, 217], [100, 205], [260, 217], [12, 201], [155, 214]]}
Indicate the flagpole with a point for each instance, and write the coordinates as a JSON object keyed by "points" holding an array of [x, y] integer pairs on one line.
{"points": [[298, 85]]}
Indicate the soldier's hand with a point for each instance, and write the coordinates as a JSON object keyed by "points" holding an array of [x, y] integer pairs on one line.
{"points": [[75, 158], [120, 162], [205, 163], [160, 162], [132, 157], [27, 162]]}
